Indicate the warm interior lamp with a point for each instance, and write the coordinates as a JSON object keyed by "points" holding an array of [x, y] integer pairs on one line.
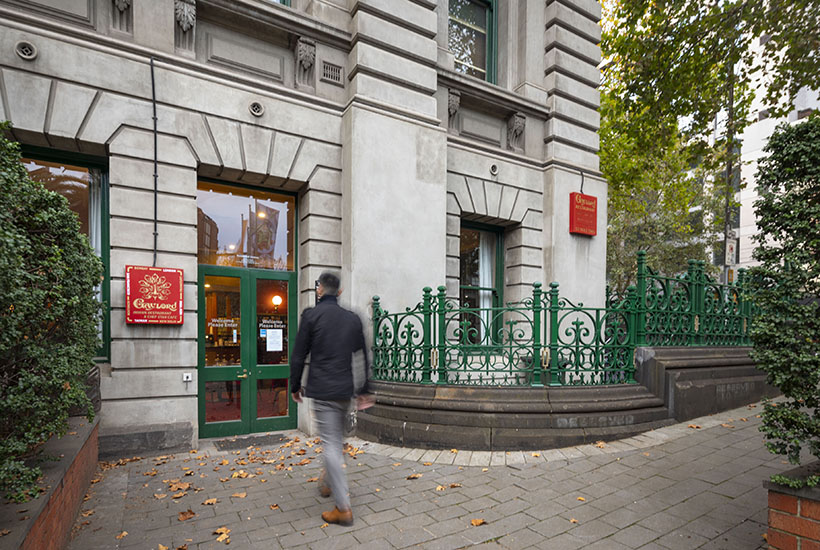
{"points": [[260, 214], [277, 300], [207, 285]]}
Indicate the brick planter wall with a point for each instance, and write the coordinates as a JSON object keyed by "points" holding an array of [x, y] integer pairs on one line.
{"points": [[794, 515], [45, 523]]}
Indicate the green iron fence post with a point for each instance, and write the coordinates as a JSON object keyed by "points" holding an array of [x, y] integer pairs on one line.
{"points": [[377, 363], [427, 348], [632, 315], [691, 331], [441, 352], [698, 303], [537, 363], [553, 345], [743, 306], [640, 318]]}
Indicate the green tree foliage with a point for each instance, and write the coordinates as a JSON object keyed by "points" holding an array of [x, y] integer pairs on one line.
{"points": [[657, 202], [786, 286], [48, 319], [670, 60], [671, 70]]}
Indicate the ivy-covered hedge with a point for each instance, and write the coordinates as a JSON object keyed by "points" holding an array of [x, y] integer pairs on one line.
{"points": [[786, 286], [48, 319]]}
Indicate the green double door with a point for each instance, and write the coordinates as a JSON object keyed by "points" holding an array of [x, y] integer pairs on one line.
{"points": [[247, 329]]}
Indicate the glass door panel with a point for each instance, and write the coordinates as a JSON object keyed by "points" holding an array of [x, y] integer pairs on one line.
{"points": [[272, 398], [271, 322], [223, 401], [275, 331], [243, 382], [223, 372], [223, 321]]}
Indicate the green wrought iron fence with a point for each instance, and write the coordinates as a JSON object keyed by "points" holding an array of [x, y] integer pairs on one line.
{"points": [[548, 340], [543, 340], [692, 309]]}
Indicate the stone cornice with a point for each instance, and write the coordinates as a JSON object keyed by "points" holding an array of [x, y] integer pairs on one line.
{"points": [[491, 94], [263, 13], [464, 144], [71, 34]]}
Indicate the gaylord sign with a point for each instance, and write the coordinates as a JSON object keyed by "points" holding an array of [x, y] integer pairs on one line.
{"points": [[153, 295]]}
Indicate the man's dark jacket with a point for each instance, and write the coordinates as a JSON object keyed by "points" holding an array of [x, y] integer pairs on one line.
{"points": [[331, 334]]}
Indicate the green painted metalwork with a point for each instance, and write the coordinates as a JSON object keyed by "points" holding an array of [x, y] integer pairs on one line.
{"points": [[548, 340], [691, 310]]}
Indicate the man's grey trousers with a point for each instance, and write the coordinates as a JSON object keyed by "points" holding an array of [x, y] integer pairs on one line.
{"points": [[330, 417]]}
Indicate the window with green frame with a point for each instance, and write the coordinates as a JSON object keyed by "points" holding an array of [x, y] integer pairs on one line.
{"points": [[472, 37], [83, 181], [283, 2], [481, 282]]}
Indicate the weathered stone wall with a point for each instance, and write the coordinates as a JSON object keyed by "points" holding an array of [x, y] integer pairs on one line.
{"points": [[352, 104]]}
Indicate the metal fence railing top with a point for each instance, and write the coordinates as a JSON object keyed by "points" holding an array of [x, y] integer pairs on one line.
{"points": [[548, 340]]}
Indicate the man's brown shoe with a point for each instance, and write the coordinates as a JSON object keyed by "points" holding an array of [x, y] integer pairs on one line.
{"points": [[324, 488], [338, 516]]}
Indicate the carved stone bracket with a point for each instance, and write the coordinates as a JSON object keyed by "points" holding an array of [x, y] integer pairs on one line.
{"points": [[516, 123], [305, 56], [121, 16], [185, 17], [453, 104]]}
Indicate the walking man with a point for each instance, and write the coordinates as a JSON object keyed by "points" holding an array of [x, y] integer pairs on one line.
{"points": [[331, 335]]}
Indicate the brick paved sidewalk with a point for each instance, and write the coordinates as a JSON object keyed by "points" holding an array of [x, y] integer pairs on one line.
{"points": [[678, 487]]}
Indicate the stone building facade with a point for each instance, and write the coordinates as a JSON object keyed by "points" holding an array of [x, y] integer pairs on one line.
{"points": [[404, 143]]}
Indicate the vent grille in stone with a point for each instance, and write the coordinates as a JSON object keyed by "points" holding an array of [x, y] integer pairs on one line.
{"points": [[332, 73]]}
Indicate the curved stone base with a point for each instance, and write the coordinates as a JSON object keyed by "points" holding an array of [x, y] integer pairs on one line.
{"points": [[444, 417], [675, 384]]}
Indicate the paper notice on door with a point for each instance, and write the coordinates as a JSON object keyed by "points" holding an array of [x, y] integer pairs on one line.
{"points": [[274, 341]]}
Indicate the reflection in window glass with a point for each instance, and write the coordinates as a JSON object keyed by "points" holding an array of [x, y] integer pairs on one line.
{"points": [[271, 398], [82, 188], [468, 36], [223, 401], [271, 322], [244, 228], [478, 294], [223, 321], [79, 185]]}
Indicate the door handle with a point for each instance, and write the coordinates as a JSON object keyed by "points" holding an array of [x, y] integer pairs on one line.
{"points": [[241, 375]]}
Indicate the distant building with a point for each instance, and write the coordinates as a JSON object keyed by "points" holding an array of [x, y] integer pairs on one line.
{"points": [[753, 141]]}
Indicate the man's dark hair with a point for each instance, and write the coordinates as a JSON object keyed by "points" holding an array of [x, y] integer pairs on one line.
{"points": [[330, 282]]}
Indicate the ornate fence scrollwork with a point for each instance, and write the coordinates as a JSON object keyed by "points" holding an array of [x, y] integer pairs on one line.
{"points": [[548, 340]]}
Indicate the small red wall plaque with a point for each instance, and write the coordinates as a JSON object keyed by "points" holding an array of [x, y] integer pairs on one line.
{"points": [[153, 295], [583, 214]]}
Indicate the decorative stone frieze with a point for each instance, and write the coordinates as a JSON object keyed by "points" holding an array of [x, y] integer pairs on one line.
{"points": [[305, 55], [453, 104], [185, 17], [122, 16], [516, 123]]}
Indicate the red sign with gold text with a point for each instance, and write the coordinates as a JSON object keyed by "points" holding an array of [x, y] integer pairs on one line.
{"points": [[153, 295], [583, 214]]}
